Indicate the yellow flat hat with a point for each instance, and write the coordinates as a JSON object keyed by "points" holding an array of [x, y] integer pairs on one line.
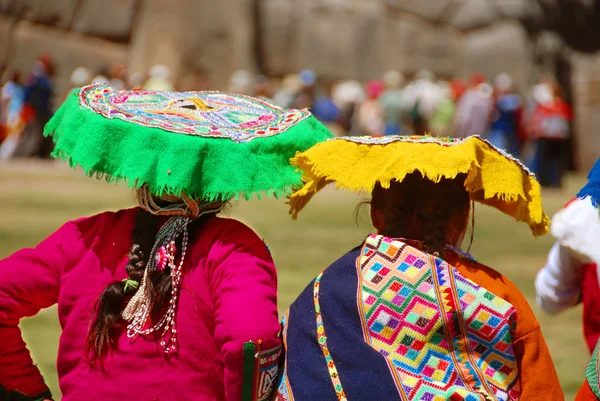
{"points": [[493, 178]]}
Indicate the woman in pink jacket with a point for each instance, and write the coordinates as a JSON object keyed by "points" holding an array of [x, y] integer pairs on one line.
{"points": [[165, 301]]}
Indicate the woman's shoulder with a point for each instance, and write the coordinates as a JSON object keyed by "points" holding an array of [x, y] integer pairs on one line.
{"points": [[221, 237], [112, 220], [228, 229], [501, 286]]}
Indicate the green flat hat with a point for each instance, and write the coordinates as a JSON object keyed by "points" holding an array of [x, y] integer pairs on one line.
{"points": [[208, 145]]}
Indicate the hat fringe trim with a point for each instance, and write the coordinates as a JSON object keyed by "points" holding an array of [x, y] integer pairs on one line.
{"points": [[492, 178], [172, 163]]}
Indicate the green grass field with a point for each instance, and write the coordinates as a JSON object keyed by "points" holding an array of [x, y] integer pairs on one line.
{"points": [[37, 198]]}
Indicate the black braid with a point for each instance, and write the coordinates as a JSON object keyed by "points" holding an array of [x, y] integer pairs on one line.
{"points": [[107, 321]]}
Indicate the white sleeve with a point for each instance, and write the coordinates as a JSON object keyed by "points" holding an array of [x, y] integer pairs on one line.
{"points": [[558, 284]]}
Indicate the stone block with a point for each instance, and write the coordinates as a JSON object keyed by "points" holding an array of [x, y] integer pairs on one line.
{"points": [[472, 14], [333, 38], [339, 43], [412, 45], [204, 36], [430, 10], [58, 13], [69, 50], [586, 91], [7, 6], [502, 47], [517, 9], [108, 19], [278, 25], [6, 24]]}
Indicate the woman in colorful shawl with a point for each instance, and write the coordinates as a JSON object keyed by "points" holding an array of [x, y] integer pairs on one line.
{"points": [[407, 315], [164, 301]]}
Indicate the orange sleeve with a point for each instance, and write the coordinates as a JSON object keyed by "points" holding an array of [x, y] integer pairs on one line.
{"points": [[537, 374], [585, 393]]}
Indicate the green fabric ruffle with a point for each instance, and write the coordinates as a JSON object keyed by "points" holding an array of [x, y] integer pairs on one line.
{"points": [[172, 163]]}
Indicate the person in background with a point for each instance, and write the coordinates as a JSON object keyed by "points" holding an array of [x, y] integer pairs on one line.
{"points": [[80, 76], [261, 88], [12, 120], [38, 95], [549, 127], [506, 116], [391, 102], [570, 276], [369, 115], [289, 90], [348, 95], [581, 261], [241, 82], [136, 80], [160, 78], [420, 100], [474, 109], [118, 76], [441, 121], [324, 107], [307, 95]]}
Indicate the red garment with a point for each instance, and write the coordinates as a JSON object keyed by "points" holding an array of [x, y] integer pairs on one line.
{"points": [[557, 109], [585, 393], [590, 294], [227, 297]]}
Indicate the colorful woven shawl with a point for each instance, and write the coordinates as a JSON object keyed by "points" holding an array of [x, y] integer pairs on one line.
{"points": [[209, 145], [493, 178], [395, 323]]}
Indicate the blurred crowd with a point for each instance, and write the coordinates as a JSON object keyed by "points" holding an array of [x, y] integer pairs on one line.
{"points": [[533, 125]]}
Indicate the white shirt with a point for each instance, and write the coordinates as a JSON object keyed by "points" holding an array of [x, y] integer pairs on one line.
{"points": [[577, 232]]}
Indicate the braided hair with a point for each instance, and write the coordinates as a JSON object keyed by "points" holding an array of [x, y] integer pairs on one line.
{"points": [[107, 322], [420, 209]]}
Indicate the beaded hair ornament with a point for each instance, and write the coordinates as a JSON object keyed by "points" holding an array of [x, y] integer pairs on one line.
{"points": [[164, 255]]}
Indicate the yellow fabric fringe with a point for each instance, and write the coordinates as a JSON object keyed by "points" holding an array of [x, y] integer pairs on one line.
{"points": [[492, 178]]}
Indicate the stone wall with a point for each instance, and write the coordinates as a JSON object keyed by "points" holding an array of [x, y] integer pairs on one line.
{"points": [[364, 39], [336, 38], [586, 91], [208, 39]]}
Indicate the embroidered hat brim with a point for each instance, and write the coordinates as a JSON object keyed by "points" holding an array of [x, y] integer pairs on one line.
{"points": [[209, 145], [358, 163]]}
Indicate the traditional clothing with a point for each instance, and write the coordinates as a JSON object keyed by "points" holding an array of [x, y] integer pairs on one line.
{"points": [[228, 298], [389, 321], [580, 242], [571, 274], [218, 336]]}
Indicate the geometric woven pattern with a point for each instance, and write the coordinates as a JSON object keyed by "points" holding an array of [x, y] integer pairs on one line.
{"points": [[443, 337], [268, 367]]}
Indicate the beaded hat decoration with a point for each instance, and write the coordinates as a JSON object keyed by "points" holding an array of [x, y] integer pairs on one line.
{"points": [[592, 188], [211, 114], [493, 178], [208, 145]]}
